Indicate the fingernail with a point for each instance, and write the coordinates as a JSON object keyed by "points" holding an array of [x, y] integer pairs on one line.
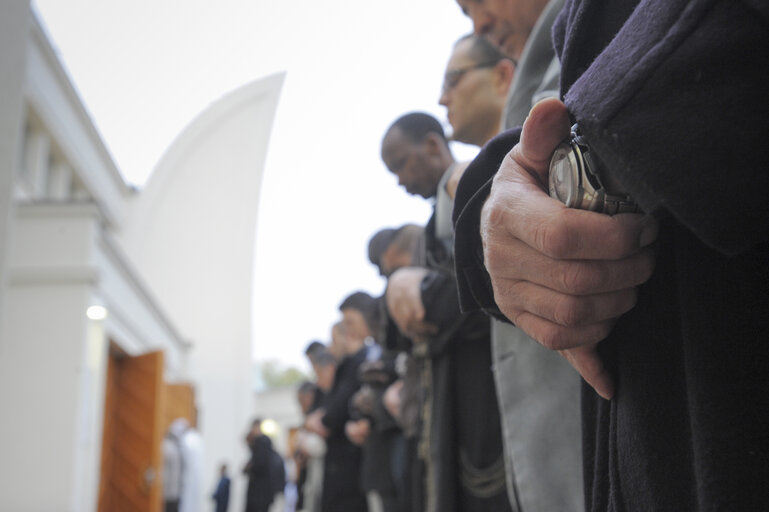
{"points": [[648, 231]]}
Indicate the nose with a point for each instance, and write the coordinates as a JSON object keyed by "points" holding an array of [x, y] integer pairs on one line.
{"points": [[444, 98], [483, 21]]}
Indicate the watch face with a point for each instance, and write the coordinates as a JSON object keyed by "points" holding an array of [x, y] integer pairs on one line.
{"points": [[564, 182]]}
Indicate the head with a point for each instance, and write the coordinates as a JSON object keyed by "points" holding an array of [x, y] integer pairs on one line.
{"points": [[223, 470], [256, 427], [305, 395], [325, 369], [179, 426], [313, 348], [404, 249], [377, 245], [360, 312], [416, 150], [505, 23], [475, 87]]}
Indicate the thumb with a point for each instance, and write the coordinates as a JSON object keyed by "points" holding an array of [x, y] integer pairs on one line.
{"points": [[547, 126]]}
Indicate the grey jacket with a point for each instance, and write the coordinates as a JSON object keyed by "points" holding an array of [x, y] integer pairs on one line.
{"points": [[540, 422]]}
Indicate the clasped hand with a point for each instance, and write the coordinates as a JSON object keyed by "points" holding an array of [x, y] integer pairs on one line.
{"points": [[564, 276]]}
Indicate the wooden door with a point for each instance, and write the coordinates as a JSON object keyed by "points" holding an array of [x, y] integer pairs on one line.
{"points": [[180, 403], [133, 434]]}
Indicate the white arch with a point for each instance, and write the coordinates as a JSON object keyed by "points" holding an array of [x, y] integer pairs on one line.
{"points": [[190, 231]]}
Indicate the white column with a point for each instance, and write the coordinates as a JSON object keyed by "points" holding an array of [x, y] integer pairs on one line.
{"points": [[60, 181], [14, 27], [38, 155]]}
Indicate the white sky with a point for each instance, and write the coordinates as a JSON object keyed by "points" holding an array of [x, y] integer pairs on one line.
{"points": [[146, 68]]}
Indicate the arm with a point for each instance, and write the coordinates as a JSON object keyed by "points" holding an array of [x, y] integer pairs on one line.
{"points": [[338, 401], [675, 115], [563, 276]]}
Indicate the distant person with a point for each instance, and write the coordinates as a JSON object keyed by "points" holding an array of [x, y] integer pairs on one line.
{"points": [[390, 249], [278, 480], [342, 489], [377, 245], [260, 493], [338, 336], [310, 447], [190, 446], [461, 442], [313, 348], [172, 472], [221, 495]]}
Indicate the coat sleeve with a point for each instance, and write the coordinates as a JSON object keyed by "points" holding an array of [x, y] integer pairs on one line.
{"points": [[473, 281], [675, 108], [338, 401]]}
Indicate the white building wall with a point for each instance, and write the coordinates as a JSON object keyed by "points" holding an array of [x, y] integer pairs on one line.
{"points": [[60, 196], [191, 233], [14, 23], [42, 374], [183, 271]]}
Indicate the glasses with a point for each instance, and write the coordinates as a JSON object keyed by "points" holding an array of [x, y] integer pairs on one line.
{"points": [[451, 78]]}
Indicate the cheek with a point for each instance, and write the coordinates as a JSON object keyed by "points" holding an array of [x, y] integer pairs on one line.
{"points": [[406, 176]]}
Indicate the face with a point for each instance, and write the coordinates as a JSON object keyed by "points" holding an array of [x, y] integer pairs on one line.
{"points": [[324, 377], [393, 259], [473, 96], [338, 341], [410, 162], [355, 324], [506, 23], [305, 401]]}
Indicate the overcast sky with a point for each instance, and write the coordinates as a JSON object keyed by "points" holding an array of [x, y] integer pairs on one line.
{"points": [[146, 68]]}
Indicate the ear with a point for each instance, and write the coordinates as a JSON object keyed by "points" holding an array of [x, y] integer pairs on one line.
{"points": [[433, 143], [504, 72]]}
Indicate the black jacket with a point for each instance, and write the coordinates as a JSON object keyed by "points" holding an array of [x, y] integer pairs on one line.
{"points": [[342, 488], [670, 95]]}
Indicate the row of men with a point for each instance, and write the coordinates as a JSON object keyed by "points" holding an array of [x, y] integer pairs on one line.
{"points": [[407, 377], [660, 313]]}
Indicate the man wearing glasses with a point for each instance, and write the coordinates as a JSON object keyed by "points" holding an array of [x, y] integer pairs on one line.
{"points": [[540, 423], [475, 87]]}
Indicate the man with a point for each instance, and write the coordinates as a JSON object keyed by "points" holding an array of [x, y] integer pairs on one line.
{"points": [[390, 249], [259, 494], [221, 495], [521, 30], [341, 475], [310, 449], [670, 333], [338, 340], [475, 87], [172, 472], [461, 439], [540, 423], [416, 150]]}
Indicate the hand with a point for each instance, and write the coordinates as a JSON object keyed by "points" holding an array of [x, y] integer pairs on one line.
{"points": [[562, 275], [392, 399], [357, 431], [404, 302], [363, 400], [314, 423]]}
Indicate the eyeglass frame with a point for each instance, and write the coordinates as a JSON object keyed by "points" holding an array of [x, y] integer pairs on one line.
{"points": [[457, 74]]}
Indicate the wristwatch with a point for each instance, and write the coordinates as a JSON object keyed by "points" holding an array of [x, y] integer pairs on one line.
{"points": [[575, 179]]}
